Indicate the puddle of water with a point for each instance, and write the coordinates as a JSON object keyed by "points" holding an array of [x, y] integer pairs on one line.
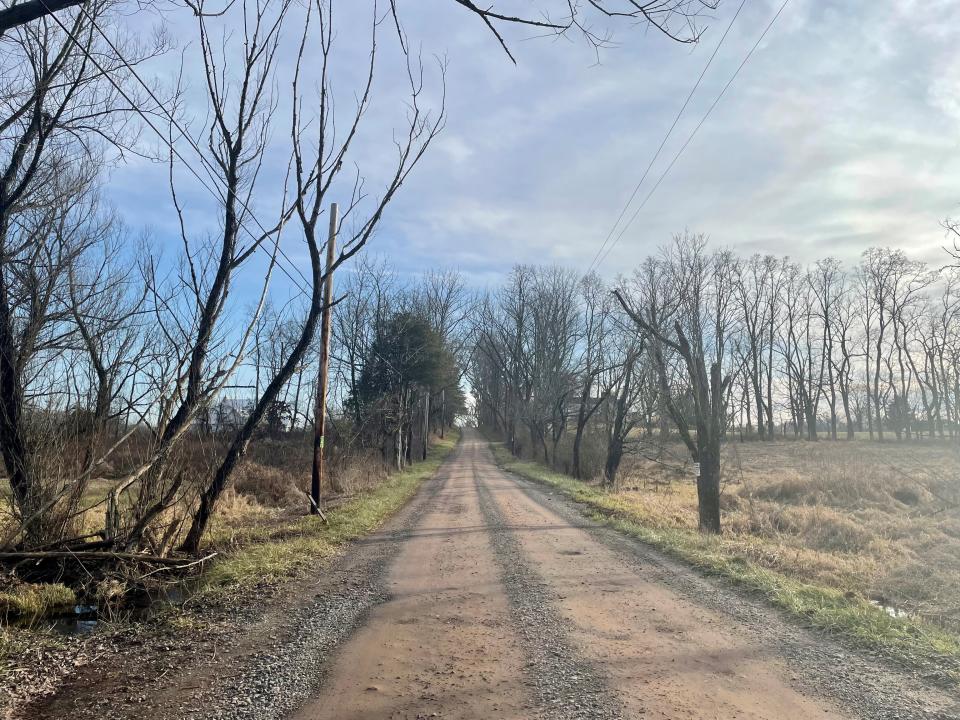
{"points": [[83, 619], [79, 620], [890, 610]]}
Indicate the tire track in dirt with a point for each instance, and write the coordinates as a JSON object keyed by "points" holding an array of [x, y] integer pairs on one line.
{"points": [[678, 645], [664, 656], [442, 642], [569, 687]]}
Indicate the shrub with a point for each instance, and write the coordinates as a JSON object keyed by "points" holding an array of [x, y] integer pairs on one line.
{"points": [[269, 486]]}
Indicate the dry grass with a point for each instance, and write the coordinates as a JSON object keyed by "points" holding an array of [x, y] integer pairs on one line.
{"points": [[262, 514], [880, 521], [263, 544], [825, 530], [268, 486], [275, 475]]}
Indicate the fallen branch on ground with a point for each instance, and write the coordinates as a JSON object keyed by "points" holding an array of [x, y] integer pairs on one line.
{"points": [[89, 555], [179, 567]]}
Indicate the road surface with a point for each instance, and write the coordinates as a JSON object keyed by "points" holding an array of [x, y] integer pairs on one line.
{"points": [[490, 597], [501, 607]]}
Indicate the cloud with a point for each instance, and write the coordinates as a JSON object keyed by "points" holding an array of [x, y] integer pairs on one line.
{"points": [[840, 133]]}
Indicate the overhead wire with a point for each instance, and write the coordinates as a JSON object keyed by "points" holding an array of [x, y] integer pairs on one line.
{"points": [[666, 137], [693, 134], [603, 251]]}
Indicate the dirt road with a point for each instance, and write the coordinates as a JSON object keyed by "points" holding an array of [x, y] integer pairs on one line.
{"points": [[504, 603], [492, 597]]}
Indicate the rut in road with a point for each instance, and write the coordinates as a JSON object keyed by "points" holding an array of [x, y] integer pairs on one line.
{"points": [[567, 685], [503, 603], [443, 642]]}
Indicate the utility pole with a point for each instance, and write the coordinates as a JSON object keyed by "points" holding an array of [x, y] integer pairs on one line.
{"points": [[426, 422], [316, 483], [443, 410]]}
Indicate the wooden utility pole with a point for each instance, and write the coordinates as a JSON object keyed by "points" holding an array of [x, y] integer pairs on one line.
{"points": [[443, 410], [316, 483], [426, 422]]}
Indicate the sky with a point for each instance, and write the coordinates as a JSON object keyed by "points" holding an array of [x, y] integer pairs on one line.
{"points": [[840, 133]]}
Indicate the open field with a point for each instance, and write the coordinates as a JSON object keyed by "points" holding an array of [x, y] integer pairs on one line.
{"points": [[879, 520], [829, 531]]}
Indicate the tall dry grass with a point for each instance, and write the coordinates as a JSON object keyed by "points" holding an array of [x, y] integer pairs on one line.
{"points": [[878, 520], [271, 483]]}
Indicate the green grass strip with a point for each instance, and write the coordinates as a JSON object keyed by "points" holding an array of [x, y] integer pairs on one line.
{"points": [[909, 641], [304, 541]]}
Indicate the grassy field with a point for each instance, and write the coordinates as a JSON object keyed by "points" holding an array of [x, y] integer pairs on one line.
{"points": [[857, 538], [256, 544]]}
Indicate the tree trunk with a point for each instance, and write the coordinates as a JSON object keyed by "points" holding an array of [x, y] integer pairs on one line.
{"points": [[612, 465], [708, 487], [619, 430], [426, 424], [398, 448], [577, 439], [581, 424], [845, 398]]}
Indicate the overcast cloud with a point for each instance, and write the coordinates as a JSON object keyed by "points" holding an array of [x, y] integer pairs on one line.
{"points": [[840, 133]]}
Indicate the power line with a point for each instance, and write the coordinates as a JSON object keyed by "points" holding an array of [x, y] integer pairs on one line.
{"points": [[666, 137], [218, 194], [695, 130]]}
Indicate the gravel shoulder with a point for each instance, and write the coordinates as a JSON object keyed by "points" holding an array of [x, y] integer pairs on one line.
{"points": [[703, 629], [489, 596]]}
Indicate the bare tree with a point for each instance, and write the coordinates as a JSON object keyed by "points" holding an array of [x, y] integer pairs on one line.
{"points": [[803, 357], [317, 164], [500, 378], [754, 300], [692, 317], [369, 293], [595, 326], [630, 381], [678, 19], [826, 281], [60, 118]]}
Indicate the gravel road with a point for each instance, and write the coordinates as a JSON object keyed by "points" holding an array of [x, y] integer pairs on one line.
{"points": [[506, 602], [492, 597]]}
